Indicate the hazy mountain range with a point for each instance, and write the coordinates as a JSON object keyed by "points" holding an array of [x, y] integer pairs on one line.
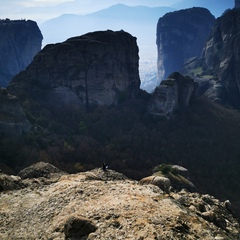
{"points": [[139, 17], [43, 10], [140, 21]]}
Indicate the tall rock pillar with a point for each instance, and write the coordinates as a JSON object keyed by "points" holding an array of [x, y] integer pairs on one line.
{"points": [[181, 35]]}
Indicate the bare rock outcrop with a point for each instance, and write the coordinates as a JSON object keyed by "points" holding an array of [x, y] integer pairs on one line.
{"points": [[99, 68], [105, 175], [177, 175], [181, 35], [40, 169], [77, 208], [20, 41], [10, 182], [172, 94]]}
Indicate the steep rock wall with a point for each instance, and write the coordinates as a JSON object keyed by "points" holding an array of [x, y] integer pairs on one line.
{"points": [[98, 68], [222, 55], [19, 43], [180, 36]]}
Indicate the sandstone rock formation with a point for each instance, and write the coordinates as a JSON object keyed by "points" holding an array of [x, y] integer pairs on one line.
{"points": [[99, 68], [221, 56], [77, 208], [13, 121], [20, 41], [181, 35], [172, 94]]}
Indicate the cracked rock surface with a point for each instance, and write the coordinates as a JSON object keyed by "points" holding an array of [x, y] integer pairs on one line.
{"points": [[111, 208]]}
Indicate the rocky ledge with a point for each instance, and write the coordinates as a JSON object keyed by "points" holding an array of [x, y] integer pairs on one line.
{"points": [[107, 205]]}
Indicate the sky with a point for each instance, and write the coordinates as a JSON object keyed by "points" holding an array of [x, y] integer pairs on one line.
{"points": [[42, 10]]}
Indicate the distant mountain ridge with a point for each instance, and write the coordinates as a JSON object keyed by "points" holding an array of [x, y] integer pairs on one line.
{"points": [[135, 20]]}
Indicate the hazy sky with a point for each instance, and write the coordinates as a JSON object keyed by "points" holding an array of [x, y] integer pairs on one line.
{"points": [[40, 10]]}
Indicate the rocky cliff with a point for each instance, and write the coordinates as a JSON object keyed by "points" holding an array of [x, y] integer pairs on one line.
{"points": [[180, 36], [107, 205], [99, 68], [222, 56], [13, 121], [172, 94], [20, 41], [237, 4]]}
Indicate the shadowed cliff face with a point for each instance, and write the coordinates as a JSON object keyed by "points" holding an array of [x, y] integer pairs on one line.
{"points": [[180, 36], [172, 94], [222, 55], [13, 121], [237, 4], [94, 69], [19, 43]]}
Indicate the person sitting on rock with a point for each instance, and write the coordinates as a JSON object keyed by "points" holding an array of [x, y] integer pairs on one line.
{"points": [[104, 167]]}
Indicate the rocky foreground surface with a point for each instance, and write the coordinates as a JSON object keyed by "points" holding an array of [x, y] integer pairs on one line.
{"points": [[106, 205]]}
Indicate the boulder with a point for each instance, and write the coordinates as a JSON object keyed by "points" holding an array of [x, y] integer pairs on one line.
{"points": [[181, 35], [10, 182], [162, 182], [177, 175], [99, 174], [180, 170], [19, 43]]}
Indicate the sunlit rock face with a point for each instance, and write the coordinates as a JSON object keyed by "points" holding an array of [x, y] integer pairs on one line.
{"points": [[19, 43], [222, 55], [181, 35], [98, 68]]}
